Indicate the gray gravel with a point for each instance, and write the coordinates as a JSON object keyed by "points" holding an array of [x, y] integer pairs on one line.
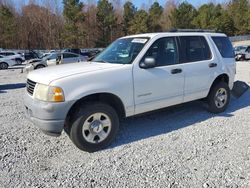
{"points": [[183, 146]]}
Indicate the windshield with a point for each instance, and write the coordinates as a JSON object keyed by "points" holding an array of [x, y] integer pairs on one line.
{"points": [[122, 51], [50, 56]]}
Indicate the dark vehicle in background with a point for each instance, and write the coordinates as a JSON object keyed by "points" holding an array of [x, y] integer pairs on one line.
{"points": [[73, 50], [91, 53], [28, 55], [88, 53]]}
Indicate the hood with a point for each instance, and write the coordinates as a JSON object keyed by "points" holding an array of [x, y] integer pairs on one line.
{"points": [[32, 61], [49, 74]]}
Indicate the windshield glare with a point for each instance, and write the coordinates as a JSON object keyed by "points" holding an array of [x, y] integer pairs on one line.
{"points": [[122, 51]]}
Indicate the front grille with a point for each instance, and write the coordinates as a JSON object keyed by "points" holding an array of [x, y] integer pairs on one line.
{"points": [[30, 86]]}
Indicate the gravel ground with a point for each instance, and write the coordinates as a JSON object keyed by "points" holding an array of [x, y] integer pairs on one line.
{"points": [[183, 146]]}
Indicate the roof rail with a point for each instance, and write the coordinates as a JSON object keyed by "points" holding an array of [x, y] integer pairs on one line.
{"points": [[192, 30]]}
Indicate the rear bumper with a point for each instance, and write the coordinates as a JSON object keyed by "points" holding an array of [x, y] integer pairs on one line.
{"points": [[47, 116]]}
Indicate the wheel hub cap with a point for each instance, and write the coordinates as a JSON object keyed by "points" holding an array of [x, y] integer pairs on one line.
{"points": [[96, 126], [221, 98]]}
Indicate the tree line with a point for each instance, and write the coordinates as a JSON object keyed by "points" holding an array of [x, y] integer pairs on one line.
{"points": [[48, 25]]}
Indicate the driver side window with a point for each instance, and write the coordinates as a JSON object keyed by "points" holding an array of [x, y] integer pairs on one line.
{"points": [[164, 51]]}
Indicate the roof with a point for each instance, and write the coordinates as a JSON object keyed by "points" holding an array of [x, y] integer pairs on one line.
{"points": [[152, 35]]}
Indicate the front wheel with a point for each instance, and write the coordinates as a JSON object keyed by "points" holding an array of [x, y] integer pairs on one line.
{"points": [[94, 127], [218, 98], [39, 66], [4, 65]]}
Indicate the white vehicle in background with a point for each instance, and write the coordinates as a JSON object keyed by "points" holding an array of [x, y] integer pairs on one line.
{"points": [[243, 53], [13, 55], [6, 62], [54, 59], [65, 58]]}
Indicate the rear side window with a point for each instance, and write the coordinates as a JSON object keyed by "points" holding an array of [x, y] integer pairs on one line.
{"points": [[68, 55], [194, 48], [224, 46], [9, 53]]}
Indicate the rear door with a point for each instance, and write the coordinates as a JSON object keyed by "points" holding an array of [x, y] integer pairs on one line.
{"points": [[70, 58], [198, 65]]}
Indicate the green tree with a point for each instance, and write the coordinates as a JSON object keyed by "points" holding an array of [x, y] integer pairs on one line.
{"points": [[74, 18], [106, 21], [225, 24], [208, 16], [155, 13], [7, 27], [238, 10], [128, 15], [183, 16], [140, 23]]}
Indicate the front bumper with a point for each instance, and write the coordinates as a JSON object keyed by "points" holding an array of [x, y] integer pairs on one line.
{"points": [[47, 116]]}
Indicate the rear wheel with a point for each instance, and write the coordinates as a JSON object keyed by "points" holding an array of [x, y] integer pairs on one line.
{"points": [[39, 66], [94, 127], [18, 61], [4, 65], [218, 98]]}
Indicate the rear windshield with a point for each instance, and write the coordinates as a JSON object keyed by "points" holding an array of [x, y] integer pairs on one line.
{"points": [[224, 46]]}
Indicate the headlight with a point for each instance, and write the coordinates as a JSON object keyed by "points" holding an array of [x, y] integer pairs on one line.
{"points": [[48, 93]]}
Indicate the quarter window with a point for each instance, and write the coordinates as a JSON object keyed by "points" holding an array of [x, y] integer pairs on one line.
{"points": [[224, 46], [164, 51], [194, 48]]}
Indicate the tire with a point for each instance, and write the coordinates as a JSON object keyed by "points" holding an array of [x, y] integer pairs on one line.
{"points": [[218, 98], [39, 66], [18, 61], [88, 130], [4, 65], [242, 58]]}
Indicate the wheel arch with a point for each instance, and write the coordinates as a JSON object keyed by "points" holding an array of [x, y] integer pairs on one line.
{"points": [[5, 63], [221, 78], [107, 98], [39, 65]]}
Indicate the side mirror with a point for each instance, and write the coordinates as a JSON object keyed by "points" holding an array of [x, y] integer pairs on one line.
{"points": [[149, 62]]}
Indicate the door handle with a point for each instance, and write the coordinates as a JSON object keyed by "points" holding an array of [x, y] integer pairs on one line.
{"points": [[176, 71], [211, 65]]}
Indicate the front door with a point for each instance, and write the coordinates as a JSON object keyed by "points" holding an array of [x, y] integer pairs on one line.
{"points": [[162, 85]]}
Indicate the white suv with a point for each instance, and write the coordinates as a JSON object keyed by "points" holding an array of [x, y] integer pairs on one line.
{"points": [[134, 75], [13, 55]]}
